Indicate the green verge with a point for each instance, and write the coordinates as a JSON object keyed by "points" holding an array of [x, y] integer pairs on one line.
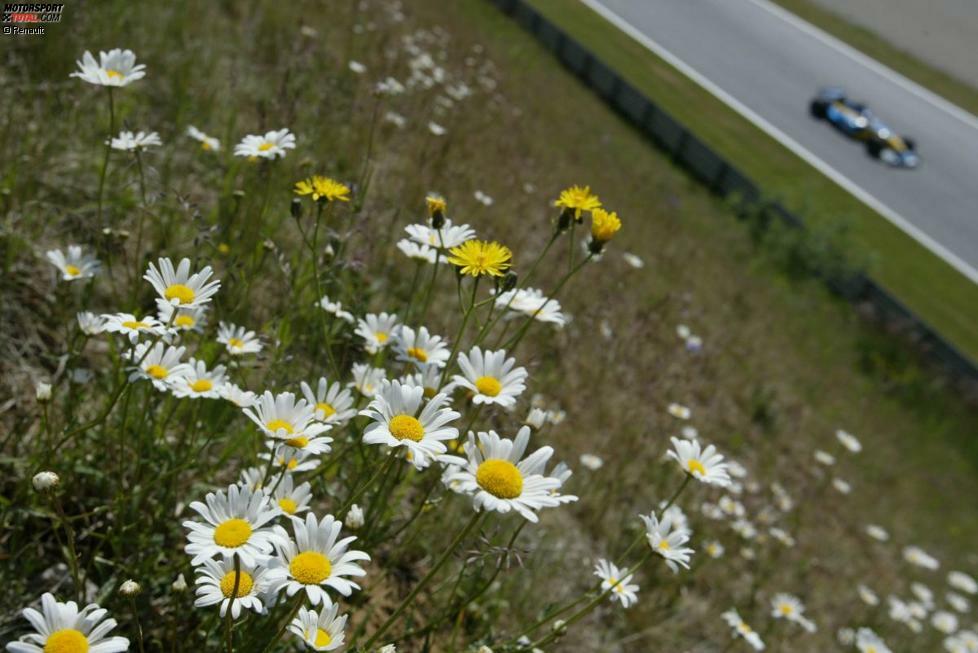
{"points": [[868, 42], [929, 286]]}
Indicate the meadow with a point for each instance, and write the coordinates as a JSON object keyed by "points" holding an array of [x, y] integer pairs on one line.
{"points": [[370, 198]]}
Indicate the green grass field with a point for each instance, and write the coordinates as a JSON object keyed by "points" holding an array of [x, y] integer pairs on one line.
{"points": [[894, 259], [782, 364]]}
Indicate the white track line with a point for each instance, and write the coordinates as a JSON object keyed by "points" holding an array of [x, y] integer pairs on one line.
{"points": [[866, 198], [872, 64]]}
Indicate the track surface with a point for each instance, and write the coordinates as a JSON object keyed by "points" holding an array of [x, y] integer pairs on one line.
{"points": [[768, 64]]}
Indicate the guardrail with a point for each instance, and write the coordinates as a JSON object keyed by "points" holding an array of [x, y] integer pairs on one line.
{"points": [[722, 177]]}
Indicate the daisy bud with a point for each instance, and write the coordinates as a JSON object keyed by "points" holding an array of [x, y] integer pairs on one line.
{"points": [[390, 648], [508, 281], [354, 518], [296, 208], [436, 210], [130, 588], [42, 391], [180, 584], [559, 626], [44, 481], [536, 419]]}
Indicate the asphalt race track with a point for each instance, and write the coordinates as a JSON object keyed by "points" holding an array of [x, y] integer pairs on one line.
{"points": [[768, 65]]}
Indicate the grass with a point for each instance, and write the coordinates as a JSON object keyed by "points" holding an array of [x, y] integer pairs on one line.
{"points": [[869, 42], [894, 259], [783, 364]]}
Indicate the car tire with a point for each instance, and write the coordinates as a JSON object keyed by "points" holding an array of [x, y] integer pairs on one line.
{"points": [[911, 144], [873, 148], [818, 109]]}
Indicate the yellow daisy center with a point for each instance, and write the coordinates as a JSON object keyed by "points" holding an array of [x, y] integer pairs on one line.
{"points": [[298, 442], [184, 321], [202, 385], [500, 478], [786, 609], [224, 248], [277, 424], [113, 74], [205, 145], [488, 385], [245, 583], [292, 464], [72, 270], [287, 505], [181, 292], [744, 628], [405, 427], [418, 354], [237, 343], [322, 638], [232, 533], [664, 545], [66, 640], [266, 146], [429, 393], [327, 409], [310, 567], [135, 324], [157, 371], [381, 336], [695, 467]]}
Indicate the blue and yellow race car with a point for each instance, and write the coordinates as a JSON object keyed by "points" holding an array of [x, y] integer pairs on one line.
{"points": [[856, 121]]}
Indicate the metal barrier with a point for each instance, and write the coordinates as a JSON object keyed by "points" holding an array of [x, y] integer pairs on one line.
{"points": [[719, 175]]}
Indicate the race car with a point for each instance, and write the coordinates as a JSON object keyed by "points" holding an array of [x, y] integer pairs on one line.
{"points": [[856, 121]]}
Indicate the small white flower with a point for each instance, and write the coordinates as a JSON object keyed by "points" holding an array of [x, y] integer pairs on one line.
{"points": [[622, 589], [377, 331], [713, 549], [178, 286], [877, 532], [290, 421], [128, 141], [132, 327], [706, 466], [333, 403], [420, 348], [667, 541], [493, 378], [44, 481], [842, 486], [869, 642], [238, 340], [238, 396], [958, 602], [536, 418], [633, 260], [198, 382], [482, 198], [130, 588], [945, 622], [354, 518], [531, 302], [917, 556], [217, 582], [824, 458], [42, 391], [867, 595], [186, 319], [90, 324], [366, 379], [962, 581], [396, 422], [271, 145], [786, 606], [436, 129], [62, 627], [114, 68], [449, 235], [389, 86], [208, 143], [679, 411], [322, 631], [290, 498], [75, 265], [849, 441], [417, 251], [235, 525], [591, 461], [336, 308], [741, 629]]}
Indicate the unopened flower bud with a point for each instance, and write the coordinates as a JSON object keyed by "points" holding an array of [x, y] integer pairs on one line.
{"points": [[296, 208], [180, 584], [390, 648], [559, 626], [354, 518], [508, 282], [536, 418], [44, 481], [42, 391], [130, 588], [564, 220]]}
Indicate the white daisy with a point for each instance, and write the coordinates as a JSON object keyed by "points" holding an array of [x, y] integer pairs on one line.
{"points": [[491, 376], [944, 621], [849, 441], [238, 396], [417, 251], [285, 419], [315, 560], [633, 260], [867, 595], [962, 581], [208, 143], [289, 458], [63, 628], [397, 422], [741, 629], [843, 487], [186, 319], [270, 146], [235, 524], [199, 382], [357, 67], [216, 582], [713, 549], [531, 302], [90, 323], [917, 556], [958, 602], [367, 379], [447, 237], [133, 327], [824, 458], [128, 141], [420, 348], [591, 461], [114, 68], [877, 532], [320, 632], [291, 499], [161, 365], [667, 541], [869, 642], [428, 378], [536, 418], [336, 308], [76, 264], [497, 476], [786, 606], [252, 478], [679, 411], [611, 579], [333, 403], [706, 466], [377, 331], [436, 129], [483, 198], [178, 286], [238, 340]]}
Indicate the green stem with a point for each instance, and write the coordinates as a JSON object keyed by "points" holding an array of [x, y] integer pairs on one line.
{"points": [[458, 336], [105, 158]]}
